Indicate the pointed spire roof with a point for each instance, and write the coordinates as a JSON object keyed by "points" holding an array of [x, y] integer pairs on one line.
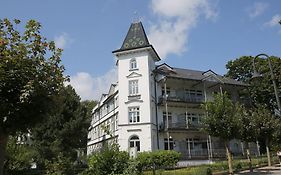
{"points": [[135, 39]]}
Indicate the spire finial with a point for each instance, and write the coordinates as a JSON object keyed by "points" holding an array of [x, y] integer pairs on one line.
{"points": [[136, 18]]}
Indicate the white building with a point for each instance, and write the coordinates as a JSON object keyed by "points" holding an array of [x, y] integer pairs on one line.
{"points": [[154, 106]]}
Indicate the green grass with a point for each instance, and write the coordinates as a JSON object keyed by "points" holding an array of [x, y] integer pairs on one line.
{"points": [[216, 167]]}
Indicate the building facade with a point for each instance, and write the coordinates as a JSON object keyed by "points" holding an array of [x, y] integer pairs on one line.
{"points": [[155, 106]]}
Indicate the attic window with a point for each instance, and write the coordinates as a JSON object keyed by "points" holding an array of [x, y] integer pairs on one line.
{"points": [[133, 64]]}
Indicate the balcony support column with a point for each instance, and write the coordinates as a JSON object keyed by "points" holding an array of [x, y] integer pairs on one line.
{"points": [[221, 91], [188, 146], [205, 92], [167, 115]]}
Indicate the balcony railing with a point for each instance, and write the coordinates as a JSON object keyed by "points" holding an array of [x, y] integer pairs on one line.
{"points": [[202, 153], [180, 125], [182, 98]]}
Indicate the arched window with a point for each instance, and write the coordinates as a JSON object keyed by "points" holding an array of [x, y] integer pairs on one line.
{"points": [[133, 64], [134, 142]]}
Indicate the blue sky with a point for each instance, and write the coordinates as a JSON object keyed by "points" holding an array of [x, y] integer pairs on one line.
{"points": [[192, 34]]}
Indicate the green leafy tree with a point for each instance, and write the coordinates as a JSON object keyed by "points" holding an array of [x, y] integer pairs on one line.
{"points": [[247, 131], [261, 90], [64, 132], [266, 125], [30, 75], [60, 165], [222, 120], [277, 136], [19, 156]]}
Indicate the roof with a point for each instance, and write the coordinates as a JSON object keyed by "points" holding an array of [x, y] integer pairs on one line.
{"points": [[136, 38], [195, 75]]}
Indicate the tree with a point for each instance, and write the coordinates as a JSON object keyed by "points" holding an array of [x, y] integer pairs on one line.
{"points": [[266, 125], [277, 136], [19, 157], [222, 120], [247, 131], [65, 131], [30, 74], [261, 91]]}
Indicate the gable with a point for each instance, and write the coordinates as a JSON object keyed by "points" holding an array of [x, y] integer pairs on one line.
{"points": [[164, 66], [209, 72], [134, 75], [111, 89], [212, 77]]}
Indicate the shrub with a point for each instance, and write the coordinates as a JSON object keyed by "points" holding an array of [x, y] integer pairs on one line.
{"points": [[238, 166], [133, 168], [19, 157], [209, 171], [158, 159], [60, 165], [108, 161]]}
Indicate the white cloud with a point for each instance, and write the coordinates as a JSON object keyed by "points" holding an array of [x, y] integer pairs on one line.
{"points": [[63, 40], [257, 9], [91, 88], [274, 21], [176, 18]]}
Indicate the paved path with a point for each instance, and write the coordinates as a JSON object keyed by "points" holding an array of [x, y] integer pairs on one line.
{"points": [[273, 170]]}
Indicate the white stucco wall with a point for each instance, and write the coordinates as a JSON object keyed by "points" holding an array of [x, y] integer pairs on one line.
{"points": [[143, 129]]}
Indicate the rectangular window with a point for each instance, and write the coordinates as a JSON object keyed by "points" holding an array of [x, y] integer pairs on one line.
{"points": [[112, 124], [133, 64], [95, 133], [194, 95], [170, 142], [116, 102], [116, 122], [133, 87], [134, 115], [170, 124]]}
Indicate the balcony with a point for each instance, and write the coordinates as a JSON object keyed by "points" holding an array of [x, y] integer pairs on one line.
{"points": [[180, 126], [183, 98]]}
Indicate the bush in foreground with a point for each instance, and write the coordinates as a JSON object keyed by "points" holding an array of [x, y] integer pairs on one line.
{"points": [[110, 160], [160, 159]]}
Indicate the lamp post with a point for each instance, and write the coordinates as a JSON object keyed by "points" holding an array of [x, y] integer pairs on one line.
{"points": [[256, 74]]}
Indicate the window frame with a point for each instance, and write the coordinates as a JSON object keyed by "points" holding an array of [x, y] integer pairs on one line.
{"points": [[133, 87], [134, 141], [171, 142], [133, 64], [134, 114]]}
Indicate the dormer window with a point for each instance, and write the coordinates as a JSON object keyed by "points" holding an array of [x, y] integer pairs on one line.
{"points": [[133, 64]]}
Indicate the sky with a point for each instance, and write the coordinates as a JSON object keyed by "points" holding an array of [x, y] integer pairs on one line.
{"points": [[191, 34]]}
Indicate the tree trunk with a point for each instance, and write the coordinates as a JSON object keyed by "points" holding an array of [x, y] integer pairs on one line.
{"points": [[268, 152], [3, 144], [249, 157], [154, 170], [229, 158]]}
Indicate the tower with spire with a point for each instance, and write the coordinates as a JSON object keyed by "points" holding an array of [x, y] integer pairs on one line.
{"points": [[136, 61]]}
